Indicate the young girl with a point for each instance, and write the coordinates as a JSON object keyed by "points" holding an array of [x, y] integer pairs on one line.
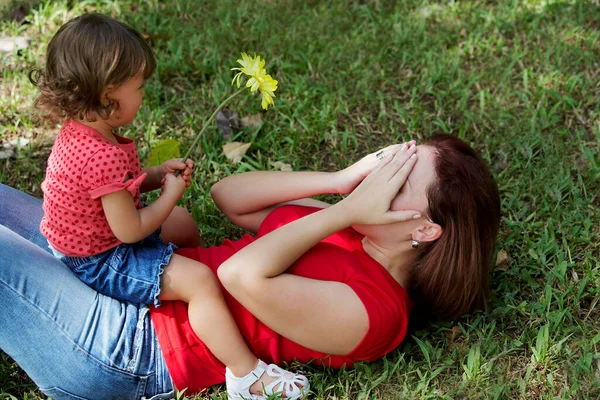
{"points": [[93, 218]]}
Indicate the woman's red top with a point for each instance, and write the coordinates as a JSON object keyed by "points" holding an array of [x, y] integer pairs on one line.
{"points": [[339, 258]]}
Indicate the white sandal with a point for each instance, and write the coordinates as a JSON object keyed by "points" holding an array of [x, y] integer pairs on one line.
{"points": [[286, 383]]}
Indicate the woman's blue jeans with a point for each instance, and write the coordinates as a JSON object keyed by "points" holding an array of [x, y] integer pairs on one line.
{"points": [[73, 342]]}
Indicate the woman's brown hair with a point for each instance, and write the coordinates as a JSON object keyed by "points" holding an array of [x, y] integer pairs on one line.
{"points": [[451, 276], [84, 57]]}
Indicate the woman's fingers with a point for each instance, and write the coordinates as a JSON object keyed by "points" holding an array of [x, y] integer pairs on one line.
{"points": [[370, 201], [383, 161], [401, 215], [391, 150], [392, 164], [386, 151], [399, 178], [396, 182]]}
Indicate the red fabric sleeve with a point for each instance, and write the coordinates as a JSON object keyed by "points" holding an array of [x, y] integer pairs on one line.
{"points": [[388, 321], [132, 185], [108, 171]]}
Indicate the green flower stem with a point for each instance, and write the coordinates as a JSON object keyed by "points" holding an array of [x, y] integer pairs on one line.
{"points": [[208, 122]]}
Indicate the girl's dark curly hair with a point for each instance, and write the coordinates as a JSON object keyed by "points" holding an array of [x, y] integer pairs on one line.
{"points": [[86, 55]]}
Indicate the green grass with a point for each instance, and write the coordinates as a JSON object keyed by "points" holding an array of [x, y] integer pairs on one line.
{"points": [[519, 80]]}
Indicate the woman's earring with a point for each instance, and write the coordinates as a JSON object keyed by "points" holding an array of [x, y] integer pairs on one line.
{"points": [[415, 243]]}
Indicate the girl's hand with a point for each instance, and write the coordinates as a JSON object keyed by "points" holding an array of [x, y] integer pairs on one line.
{"points": [[370, 202], [348, 178], [176, 164], [173, 185]]}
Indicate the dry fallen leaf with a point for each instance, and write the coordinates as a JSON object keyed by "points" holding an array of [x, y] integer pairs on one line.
{"points": [[8, 44], [502, 261], [152, 37], [4, 154], [18, 142], [574, 275], [281, 166], [253, 121], [235, 150], [456, 332]]}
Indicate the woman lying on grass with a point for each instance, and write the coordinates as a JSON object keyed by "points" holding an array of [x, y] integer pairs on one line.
{"points": [[332, 284]]}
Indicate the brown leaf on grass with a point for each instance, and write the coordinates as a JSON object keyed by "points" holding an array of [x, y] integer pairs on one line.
{"points": [[253, 121], [502, 261], [281, 166], [235, 150], [153, 37], [455, 333]]}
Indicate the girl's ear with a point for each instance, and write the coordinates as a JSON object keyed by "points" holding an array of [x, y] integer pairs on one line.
{"points": [[105, 94], [428, 232], [106, 97]]}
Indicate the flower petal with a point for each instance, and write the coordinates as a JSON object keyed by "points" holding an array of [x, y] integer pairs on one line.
{"points": [[254, 68], [266, 100], [237, 78]]}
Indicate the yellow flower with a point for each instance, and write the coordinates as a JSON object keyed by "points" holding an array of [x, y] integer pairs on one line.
{"points": [[266, 86], [250, 66], [259, 79]]}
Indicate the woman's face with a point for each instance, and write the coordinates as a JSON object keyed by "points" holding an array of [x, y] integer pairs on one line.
{"points": [[413, 195]]}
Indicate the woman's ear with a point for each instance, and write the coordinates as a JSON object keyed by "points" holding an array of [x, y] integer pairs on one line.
{"points": [[428, 232]]}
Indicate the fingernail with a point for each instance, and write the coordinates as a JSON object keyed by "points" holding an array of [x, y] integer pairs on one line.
{"points": [[416, 216], [413, 156], [403, 148]]}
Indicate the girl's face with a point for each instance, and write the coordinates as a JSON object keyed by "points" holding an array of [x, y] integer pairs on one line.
{"points": [[129, 96]]}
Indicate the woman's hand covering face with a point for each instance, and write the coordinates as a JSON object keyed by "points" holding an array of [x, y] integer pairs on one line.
{"points": [[369, 202], [348, 178]]}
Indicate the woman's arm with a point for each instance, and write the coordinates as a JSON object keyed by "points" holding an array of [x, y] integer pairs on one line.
{"points": [[324, 316], [246, 199]]}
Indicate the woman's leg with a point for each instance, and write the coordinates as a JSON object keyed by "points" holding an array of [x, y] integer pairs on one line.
{"points": [[70, 340], [22, 214]]}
